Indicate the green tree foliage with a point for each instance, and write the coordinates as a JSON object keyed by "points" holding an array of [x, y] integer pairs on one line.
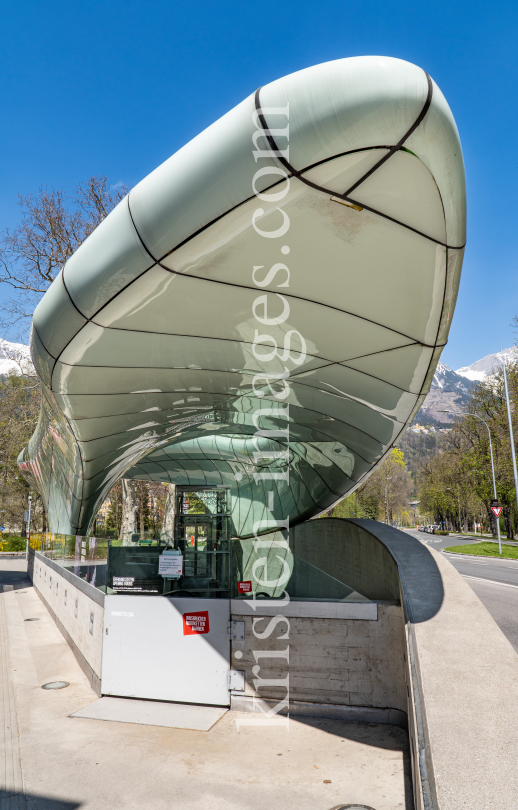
{"points": [[388, 488], [19, 410], [462, 471]]}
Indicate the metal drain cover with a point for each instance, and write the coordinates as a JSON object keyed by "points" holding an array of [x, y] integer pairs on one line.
{"points": [[55, 685], [31, 620]]}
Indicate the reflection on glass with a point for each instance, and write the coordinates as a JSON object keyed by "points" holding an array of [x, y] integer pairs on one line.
{"points": [[276, 573], [86, 557], [212, 568]]}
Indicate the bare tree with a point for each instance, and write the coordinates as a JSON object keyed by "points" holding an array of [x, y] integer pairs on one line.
{"points": [[129, 512], [167, 531], [53, 226]]}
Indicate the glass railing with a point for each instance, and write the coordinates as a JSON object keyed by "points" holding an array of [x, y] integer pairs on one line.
{"points": [[258, 570], [86, 557], [269, 570]]}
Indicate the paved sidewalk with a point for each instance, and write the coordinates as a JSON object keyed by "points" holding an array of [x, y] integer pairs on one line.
{"points": [[70, 763]]}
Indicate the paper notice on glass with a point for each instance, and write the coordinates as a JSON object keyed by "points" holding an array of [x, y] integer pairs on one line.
{"points": [[170, 566]]}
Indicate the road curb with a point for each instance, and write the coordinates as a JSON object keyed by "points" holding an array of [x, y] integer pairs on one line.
{"points": [[478, 556]]}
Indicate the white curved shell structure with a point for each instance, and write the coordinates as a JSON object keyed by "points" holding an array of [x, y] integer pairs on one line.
{"points": [[264, 310]]}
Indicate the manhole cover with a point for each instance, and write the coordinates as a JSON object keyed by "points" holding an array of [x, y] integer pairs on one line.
{"points": [[55, 685], [31, 620]]}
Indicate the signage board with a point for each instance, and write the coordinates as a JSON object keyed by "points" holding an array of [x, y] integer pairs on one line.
{"points": [[494, 502], [244, 587], [131, 569], [170, 565], [497, 510], [195, 624]]}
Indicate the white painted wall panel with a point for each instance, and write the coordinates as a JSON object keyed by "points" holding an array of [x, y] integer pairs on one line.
{"points": [[147, 655], [52, 587]]}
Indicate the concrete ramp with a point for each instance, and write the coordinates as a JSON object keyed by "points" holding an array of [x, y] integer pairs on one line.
{"points": [[153, 713]]}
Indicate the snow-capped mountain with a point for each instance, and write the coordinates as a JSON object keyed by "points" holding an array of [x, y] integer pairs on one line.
{"points": [[15, 357], [478, 371], [449, 380], [451, 390]]}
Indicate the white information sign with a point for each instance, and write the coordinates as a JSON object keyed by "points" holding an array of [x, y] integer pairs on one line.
{"points": [[170, 566]]}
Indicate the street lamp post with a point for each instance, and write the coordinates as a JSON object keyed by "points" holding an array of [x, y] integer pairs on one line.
{"points": [[466, 413], [28, 529], [513, 454]]}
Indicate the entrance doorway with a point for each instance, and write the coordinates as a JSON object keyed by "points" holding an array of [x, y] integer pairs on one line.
{"points": [[175, 645], [202, 536]]}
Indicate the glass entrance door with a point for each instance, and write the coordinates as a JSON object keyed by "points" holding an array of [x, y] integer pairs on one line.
{"points": [[197, 542], [202, 536]]}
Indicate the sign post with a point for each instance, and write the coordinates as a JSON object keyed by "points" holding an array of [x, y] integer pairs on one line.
{"points": [[28, 528], [497, 511]]}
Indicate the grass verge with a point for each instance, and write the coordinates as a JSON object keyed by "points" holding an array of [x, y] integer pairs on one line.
{"points": [[486, 550]]}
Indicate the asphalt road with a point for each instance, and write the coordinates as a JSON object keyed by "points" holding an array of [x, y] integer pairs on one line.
{"points": [[494, 581]]}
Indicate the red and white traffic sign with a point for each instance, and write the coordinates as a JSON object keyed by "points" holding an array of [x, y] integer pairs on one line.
{"points": [[497, 510]]}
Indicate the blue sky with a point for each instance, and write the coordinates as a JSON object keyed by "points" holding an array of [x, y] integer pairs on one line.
{"points": [[115, 88]]}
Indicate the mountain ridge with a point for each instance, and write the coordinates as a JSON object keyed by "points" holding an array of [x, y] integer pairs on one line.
{"points": [[451, 390]]}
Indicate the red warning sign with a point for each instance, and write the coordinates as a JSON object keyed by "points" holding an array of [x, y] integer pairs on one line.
{"points": [[497, 510], [245, 587], [196, 623]]}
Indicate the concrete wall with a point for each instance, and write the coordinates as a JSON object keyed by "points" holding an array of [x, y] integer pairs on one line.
{"points": [[339, 548], [54, 585], [348, 553], [339, 661]]}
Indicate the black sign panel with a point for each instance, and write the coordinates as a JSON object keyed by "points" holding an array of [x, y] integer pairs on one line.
{"points": [[134, 569]]}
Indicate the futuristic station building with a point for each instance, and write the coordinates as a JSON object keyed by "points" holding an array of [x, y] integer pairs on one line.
{"points": [[264, 312]]}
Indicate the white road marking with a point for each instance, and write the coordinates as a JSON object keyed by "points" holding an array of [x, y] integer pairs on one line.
{"points": [[491, 581], [470, 558]]}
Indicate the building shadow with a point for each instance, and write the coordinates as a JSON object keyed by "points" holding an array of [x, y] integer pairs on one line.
{"points": [[14, 800], [12, 579]]}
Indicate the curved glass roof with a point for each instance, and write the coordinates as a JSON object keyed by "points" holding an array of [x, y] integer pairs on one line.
{"points": [[264, 310]]}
